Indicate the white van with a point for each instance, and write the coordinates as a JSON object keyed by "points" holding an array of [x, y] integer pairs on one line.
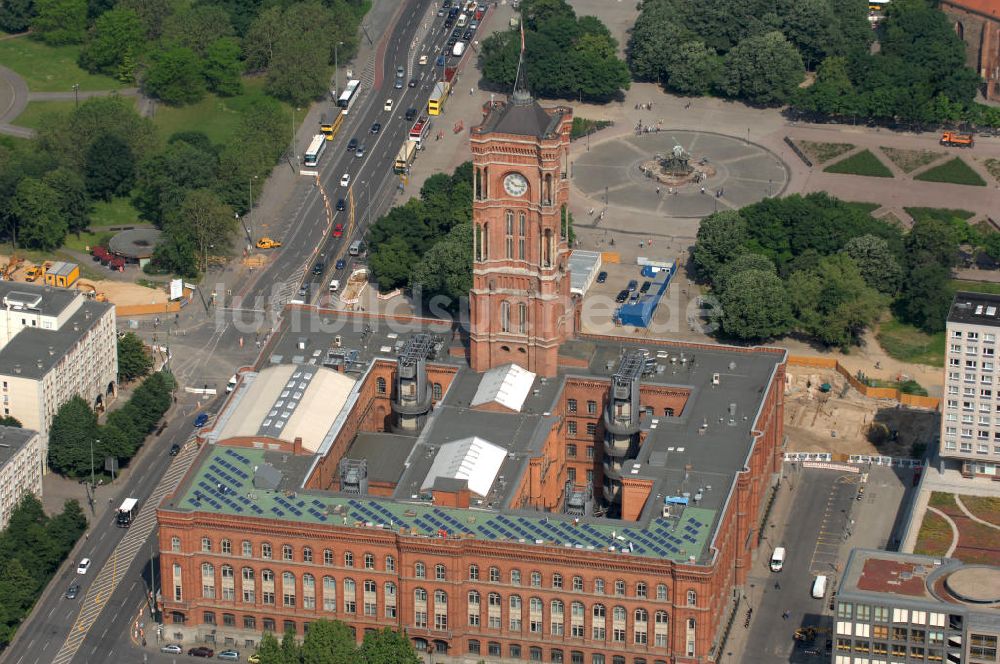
{"points": [[335, 285], [357, 248], [819, 587], [231, 385], [458, 49], [462, 20], [778, 559]]}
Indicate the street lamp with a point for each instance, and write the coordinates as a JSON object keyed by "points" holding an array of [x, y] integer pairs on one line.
{"points": [[76, 94], [250, 209], [336, 68]]}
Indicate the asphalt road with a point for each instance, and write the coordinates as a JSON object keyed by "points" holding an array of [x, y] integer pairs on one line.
{"points": [[112, 615]]}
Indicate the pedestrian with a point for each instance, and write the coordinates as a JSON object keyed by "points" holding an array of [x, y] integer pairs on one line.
{"points": [[657, 191], [703, 190], [777, 585]]}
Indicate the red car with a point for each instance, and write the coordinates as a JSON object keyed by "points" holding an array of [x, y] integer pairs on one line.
{"points": [[338, 230]]}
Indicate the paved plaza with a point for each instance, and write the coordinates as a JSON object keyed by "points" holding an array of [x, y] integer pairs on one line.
{"points": [[738, 173]]}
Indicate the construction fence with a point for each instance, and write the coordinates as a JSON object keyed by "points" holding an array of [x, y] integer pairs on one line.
{"points": [[913, 400]]}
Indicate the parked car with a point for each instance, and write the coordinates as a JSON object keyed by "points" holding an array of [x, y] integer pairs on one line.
{"points": [[172, 649], [201, 420], [467, 35], [83, 566], [352, 144], [338, 231], [230, 655], [73, 591], [175, 449], [632, 285], [340, 262], [602, 277], [201, 651], [645, 286], [341, 205], [622, 296], [634, 299]]}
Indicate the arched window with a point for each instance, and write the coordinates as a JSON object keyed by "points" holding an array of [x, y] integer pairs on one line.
{"points": [[308, 591], [505, 316], [660, 629], [288, 589], [175, 544], [329, 594], [640, 589], [473, 608], [348, 559], [436, 391], [380, 385], [390, 599], [267, 587], [350, 596], [515, 613], [598, 586], [556, 617], [420, 608], [619, 588], [228, 583], [548, 248], [206, 544], [307, 554], [265, 551], [286, 551], [515, 577], [522, 230], [599, 630], [369, 561], [509, 233], [249, 592], [420, 571], [370, 598], [473, 572], [208, 580], [522, 318], [692, 598], [661, 591], [578, 584], [390, 564], [547, 193], [327, 557], [440, 573], [494, 575], [226, 546], [440, 598], [618, 613]]}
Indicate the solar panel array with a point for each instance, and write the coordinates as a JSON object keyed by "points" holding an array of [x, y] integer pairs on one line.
{"points": [[224, 485]]}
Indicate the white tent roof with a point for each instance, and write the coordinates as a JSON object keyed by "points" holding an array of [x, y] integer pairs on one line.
{"points": [[507, 385], [473, 459]]}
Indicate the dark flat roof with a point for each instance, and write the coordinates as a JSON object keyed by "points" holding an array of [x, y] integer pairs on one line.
{"points": [[12, 439], [52, 299], [697, 453], [34, 351], [975, 309]]}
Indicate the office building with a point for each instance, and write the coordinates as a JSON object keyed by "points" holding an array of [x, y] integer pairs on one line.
{"points": [[20, 472]]}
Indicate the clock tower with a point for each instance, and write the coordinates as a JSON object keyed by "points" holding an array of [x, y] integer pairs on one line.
{"points": [[520, 306]]}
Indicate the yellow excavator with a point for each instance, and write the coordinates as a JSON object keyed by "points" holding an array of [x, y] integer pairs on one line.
{"points": [[267, 243]]}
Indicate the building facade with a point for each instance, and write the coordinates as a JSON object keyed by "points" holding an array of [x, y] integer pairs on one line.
{"points": [[970, 421], [977, 23], [896, 607], [20, 472], [520, 306], [54, 344]]}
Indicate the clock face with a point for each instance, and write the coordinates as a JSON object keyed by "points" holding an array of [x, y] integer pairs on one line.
{"points": [[515, 184]]}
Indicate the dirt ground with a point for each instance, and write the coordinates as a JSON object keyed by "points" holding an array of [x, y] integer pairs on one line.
{"points": [[117, 292], [838, 421]]}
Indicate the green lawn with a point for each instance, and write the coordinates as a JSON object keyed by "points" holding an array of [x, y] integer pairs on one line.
{"points": [[50, 68], [35, 112], [909, 344], [217, 117], [976, 286], [862, 163], [824, 152], [862, 206], [954, 171], [119, 212], [939, 214]]}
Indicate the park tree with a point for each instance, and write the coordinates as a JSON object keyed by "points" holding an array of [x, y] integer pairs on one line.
{"points": [[10, 421], [223, 68], [535, 13], [205, 219], [754, 307], [60, 22], [269, 650], [164, 178], [931, 241], [812, 27], [264, 33], [741, 263], [446, 269], [109, 167], [327, 642], [37, 209], [197, 27], [694, 69], [926, 297], [387, 646], [297, 71], [73, 429], [876, 263], [114, 44], [653, 41], [68, 139], [391, 263], [95, 8], [134, 361], [832, 303], [722, 236], [764, 69], [152, 13], [16, 15], [174, 76], [73, 201]]}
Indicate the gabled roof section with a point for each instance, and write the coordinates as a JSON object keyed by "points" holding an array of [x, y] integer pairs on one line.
{"points": [[525, 118], [473, 459], [506, 385]]}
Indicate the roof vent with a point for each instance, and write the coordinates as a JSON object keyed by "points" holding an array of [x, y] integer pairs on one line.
{"points": [[76, 326], [52, 351], [39, 363], [17, 369], [732, 366]]}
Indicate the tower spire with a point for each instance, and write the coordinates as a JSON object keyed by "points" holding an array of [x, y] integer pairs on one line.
{"points": [[521, 94]]}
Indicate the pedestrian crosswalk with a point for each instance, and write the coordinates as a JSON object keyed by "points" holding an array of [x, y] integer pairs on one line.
{"points": [[124, 555]]}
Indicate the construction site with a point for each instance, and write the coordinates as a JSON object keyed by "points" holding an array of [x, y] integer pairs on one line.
{"points": [[826, 412]]}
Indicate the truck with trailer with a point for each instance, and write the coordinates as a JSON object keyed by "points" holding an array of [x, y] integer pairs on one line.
{"points": [[127, 512], [405, 157]]}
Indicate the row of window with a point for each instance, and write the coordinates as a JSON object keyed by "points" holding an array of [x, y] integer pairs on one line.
{"points": [[381, 387], [893, 649], [988, 337], [641, 590], [863, 612], [556, 655]]}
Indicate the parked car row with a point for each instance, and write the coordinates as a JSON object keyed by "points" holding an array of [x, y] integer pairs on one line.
{"points": [[632, 293]]}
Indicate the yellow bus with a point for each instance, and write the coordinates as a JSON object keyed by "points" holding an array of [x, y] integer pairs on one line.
{"points": [[329, 124], [436, 102]]}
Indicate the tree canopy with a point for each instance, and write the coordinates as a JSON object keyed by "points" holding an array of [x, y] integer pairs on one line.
{"points": [[564, 56], [331, 642], [134, 361]]}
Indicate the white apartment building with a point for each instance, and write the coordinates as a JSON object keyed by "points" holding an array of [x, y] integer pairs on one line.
{"points": [[970, 419], [54, 344], [20, 472]]}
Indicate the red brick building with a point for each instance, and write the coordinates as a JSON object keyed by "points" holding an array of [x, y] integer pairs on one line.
{"points": [[977, 22], [584, 500]]}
